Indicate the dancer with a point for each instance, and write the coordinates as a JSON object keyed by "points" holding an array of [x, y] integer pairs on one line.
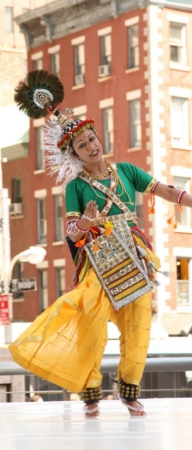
{"points": [[115, 265]]}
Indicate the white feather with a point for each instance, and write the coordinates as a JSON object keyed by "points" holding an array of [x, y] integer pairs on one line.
{"points": [[61, 162]]}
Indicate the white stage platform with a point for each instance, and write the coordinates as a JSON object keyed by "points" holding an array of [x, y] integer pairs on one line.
{"points": [[63, 426]]}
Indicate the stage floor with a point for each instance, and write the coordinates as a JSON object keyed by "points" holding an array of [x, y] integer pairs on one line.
{"points": [[62, 425]]}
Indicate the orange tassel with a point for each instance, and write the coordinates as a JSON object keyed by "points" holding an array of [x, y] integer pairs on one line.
{"points": [[179, 209], [81, 242], [152, 200], [108, 231], [96, 248]]}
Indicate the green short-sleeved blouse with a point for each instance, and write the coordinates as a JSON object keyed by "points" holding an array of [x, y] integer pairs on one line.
{"points": [[79, 193]]}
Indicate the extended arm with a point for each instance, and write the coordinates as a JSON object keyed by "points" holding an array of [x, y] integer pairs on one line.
{"points": [[171, 194]]}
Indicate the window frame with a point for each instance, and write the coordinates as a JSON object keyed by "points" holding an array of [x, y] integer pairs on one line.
{"points": [[108, 135], [39, 145], [59, 221], [105, 59], [182, 46], [59, 290], [41, 220], [133, 126], [185, 120], [131, 47], [55, 63], [43, 291]]}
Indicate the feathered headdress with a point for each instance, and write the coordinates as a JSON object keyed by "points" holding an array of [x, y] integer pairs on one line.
{"points": [[38, 96]]}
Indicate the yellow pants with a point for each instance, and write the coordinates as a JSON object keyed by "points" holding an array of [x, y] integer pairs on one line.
{"points": [[66, 342]]}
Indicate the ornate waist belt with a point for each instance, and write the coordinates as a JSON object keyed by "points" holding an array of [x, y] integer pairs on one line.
{"points": [[127, 216], [121, 272]]}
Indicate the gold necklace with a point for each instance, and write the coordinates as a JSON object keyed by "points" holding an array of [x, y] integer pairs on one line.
{"points": [[98, 177]]}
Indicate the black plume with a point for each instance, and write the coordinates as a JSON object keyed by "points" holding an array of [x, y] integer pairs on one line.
{"points": [[38, 79]]}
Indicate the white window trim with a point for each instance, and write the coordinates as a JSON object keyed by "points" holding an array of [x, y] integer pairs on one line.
{"points": [[178, 18], [78, 40], [179, 92], [183, 252], [59, 262], [131, 21], [80, 110], [37, 55], [42, 265], [41, 193], [178, 170], [133, 95], [106, 103], [104, 31], [182, 145], [56, 190], [54, 49], [39, 122]]}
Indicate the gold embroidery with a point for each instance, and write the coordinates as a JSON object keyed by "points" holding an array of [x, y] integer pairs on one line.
{"points": [[73, 214], [150, 186]]}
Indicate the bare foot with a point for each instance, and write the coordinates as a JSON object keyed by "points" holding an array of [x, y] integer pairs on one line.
{"points": [[135, 408], [91, 410]]}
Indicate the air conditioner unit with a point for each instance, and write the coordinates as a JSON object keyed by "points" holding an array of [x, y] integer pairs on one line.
{"points": [[15, 209], [79, 79], [104, 70]]}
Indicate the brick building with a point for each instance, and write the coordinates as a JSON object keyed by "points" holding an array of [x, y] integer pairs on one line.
{"points": [[128, 65]]}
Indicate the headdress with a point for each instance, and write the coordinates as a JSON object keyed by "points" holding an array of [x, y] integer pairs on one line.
{"points": [[38, 96]]}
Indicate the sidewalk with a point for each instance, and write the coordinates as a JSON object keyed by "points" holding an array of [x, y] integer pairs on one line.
{"points": [[62, 425]]}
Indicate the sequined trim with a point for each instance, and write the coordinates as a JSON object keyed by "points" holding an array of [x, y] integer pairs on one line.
{"points": [[150, 186], [73, 214], [116, 263]]}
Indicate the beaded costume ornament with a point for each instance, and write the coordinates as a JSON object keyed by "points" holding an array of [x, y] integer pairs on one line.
{"points": [[38, 96]]}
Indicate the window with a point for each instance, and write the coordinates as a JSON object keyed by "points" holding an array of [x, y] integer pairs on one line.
{"points": [[79, 55], [178, 43], [106, 50], [135, 123], [40, 162], [16, 190], [183, 281], [179, 121], [42, 222], [55, 63], [43, 290], [133, 46], [60, 281], [37, 64], [17, 275], [184, 219], [139, 209], [58, 217], [108, 129], [8, 19]]}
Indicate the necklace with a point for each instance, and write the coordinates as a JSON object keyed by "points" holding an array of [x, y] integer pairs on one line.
{"points": [[102, 175]]}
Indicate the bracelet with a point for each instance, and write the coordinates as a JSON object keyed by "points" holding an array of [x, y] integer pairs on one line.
{"points": [[72, 227], [80, 229], [87, 217], [180, 196], [155, 185]]}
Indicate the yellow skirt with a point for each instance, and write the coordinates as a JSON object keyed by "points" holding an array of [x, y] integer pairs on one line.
{"points": [[65, 344]]}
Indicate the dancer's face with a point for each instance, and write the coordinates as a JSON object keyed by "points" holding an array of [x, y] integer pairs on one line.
{"points": [[88, 147]]}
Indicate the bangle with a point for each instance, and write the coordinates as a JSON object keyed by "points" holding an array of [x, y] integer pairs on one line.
{"points": [[180, 196], [80, 229], [87, 217], [155, 185]]}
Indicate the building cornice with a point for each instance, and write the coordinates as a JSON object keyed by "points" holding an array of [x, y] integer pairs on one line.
{"points": [[64, 17]]}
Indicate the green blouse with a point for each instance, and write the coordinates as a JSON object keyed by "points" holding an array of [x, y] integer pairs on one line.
{"points": [[79, 193]]}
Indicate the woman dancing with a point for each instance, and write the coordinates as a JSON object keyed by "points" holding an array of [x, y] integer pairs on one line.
{"points": [[115, 263]]}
